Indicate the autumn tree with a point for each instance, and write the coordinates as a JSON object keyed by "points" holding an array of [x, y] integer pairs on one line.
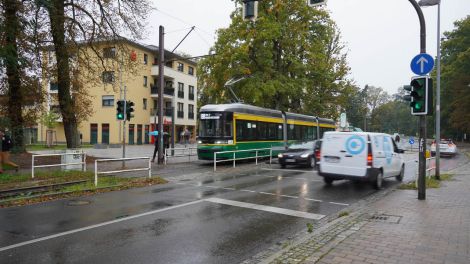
{"points": [[292, 54], [74, 27]]}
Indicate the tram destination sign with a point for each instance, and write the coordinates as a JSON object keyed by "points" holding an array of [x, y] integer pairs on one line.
{"points": [[210, 115]]}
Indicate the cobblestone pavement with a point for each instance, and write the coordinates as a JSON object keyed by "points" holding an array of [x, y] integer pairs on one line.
{"points": [[392, 226]]}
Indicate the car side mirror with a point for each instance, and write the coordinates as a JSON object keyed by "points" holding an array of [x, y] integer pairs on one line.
{"points": [[400, 151]]}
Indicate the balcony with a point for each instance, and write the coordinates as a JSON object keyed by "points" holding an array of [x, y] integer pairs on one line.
{"points": [[166, 112], [174, 74], [167, 91]]}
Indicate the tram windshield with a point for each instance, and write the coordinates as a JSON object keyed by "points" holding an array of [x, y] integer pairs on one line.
{"points": [[215, 125]]}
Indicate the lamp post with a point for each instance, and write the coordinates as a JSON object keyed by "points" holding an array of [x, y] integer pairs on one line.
{"points": [[438, 85]]}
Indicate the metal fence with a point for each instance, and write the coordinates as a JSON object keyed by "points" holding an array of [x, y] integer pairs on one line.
{"points": [[234, 159], [82, 162], [149, 168], [179, 152]]}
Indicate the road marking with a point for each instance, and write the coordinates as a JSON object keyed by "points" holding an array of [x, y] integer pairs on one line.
{"points": [[344, 204], [289, 170], [231, 189], [96, 226], [248, 191], [268, 193], [210, 186], [288, 196], [314, 200], [266, 208]]}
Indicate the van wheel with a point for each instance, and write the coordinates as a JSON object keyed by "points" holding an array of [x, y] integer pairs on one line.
{"points": [[378, 181], [400, 176], [328, 181], [311, 162]]}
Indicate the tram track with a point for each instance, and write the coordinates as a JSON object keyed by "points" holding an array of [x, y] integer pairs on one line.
{"points": [[34, 190]]}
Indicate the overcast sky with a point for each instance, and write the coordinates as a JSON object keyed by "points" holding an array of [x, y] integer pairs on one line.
{"points": [[381, 37]]}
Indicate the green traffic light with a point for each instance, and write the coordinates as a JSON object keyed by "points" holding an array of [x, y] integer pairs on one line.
{"points": [[418, 106]]}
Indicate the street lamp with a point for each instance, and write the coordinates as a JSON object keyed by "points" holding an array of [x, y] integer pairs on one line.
{"points": [[438, 85]]}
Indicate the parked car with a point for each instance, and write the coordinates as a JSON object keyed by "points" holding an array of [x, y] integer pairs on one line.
{"points": [[360, 156], [446, 148], [300, 154]]}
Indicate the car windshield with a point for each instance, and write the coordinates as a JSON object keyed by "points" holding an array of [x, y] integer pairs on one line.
{"points": [[445, 141], [303, 145]]}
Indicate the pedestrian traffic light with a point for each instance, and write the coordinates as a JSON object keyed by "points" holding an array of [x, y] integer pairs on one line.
{"points": [[420, 95], [129, 110], [120, 110], [250, 9]]}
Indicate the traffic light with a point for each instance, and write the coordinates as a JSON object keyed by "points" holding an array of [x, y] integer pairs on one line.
{"points": [[250, 9], [120, 110], [129, 110], [420, 96]]}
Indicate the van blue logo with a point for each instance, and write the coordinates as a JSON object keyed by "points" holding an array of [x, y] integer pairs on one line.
{"points": [[355, 145]]}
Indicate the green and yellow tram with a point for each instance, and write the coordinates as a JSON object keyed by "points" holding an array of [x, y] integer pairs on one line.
{"points": [[228, 127]]}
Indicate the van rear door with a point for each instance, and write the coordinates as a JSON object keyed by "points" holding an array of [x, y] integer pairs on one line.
{"points": [[344, 153]]}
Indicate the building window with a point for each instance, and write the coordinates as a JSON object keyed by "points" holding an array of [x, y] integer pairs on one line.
{"points": [[109, 53], [169, 64], [180, 110], [180, 90], [144, 101], [146, 59], [145, 81], [190, 111], [190, 70], [180, 67], [108, 76], [107, 100], [191, 92]]}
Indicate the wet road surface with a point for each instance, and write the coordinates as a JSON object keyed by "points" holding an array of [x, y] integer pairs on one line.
{"points": [[224, 217]]}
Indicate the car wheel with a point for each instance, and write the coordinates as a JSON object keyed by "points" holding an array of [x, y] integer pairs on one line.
{"points": [[311, 162], [400, 176], [378, 181], [328, 180]]}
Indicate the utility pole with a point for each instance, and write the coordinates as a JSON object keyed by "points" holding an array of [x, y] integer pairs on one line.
{"points": [[161, 59], [422, 119]]}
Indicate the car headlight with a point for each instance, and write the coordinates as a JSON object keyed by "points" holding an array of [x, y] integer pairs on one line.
{"points": [[199, 141], [304, 155], [279, 155]]}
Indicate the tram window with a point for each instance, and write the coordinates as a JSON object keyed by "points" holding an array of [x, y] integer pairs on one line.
{"points": [[280, 132], [290, 132], [228, 128], [251, 130], [298, 132], [272, 131], [241, 131], [262, 127]]}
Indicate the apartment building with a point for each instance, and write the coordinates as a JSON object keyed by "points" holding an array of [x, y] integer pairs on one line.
{"points": [[141, 85]]}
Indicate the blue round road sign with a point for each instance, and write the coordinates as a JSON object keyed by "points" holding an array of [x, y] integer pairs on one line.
{"points": [[422, 64], [412, 141]]}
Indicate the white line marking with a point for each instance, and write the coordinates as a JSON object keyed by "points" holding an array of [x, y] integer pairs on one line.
{"points": [[268, 193], [95, 226], [210, 186], [314, 200], [266, 208], [339, 203], [288, 196], [248, 191], [231, 189]]}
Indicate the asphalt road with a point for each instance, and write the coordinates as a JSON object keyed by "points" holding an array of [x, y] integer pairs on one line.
{"points": [[223, 217]]}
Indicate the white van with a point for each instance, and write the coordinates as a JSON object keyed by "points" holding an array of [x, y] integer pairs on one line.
{"points": [[360, 156]]}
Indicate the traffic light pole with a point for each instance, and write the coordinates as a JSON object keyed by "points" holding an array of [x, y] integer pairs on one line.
{"points": [[124, 128], [422, 119], [161, 59]]}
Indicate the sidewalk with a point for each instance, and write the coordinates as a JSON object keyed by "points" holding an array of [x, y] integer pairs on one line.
{"points": [[395, 228]]}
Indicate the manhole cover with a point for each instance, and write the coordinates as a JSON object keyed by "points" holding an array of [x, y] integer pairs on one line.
{"points": [[78, 202], [393, 219]]}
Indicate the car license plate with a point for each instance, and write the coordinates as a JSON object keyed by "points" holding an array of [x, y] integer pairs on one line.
{"points": [[332, 159], [290, 160]]}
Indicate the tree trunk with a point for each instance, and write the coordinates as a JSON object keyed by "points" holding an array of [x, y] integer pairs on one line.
{"points": [[13, 72], [66, 103]]}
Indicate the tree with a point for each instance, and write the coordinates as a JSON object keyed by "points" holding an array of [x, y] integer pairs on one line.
{"points": [[74, 27], [18, 69], [455, 80], [292, 54]]}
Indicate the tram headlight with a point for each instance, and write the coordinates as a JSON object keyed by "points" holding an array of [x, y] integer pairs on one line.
{"points": [[221, 142]]}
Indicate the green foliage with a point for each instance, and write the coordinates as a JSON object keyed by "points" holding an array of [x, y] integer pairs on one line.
{"points": [[455, 80], [49, 119], [293, 54], [309, 227]]}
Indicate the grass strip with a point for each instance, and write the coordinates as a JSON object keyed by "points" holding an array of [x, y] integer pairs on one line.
{"points": [[431, 182]]}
